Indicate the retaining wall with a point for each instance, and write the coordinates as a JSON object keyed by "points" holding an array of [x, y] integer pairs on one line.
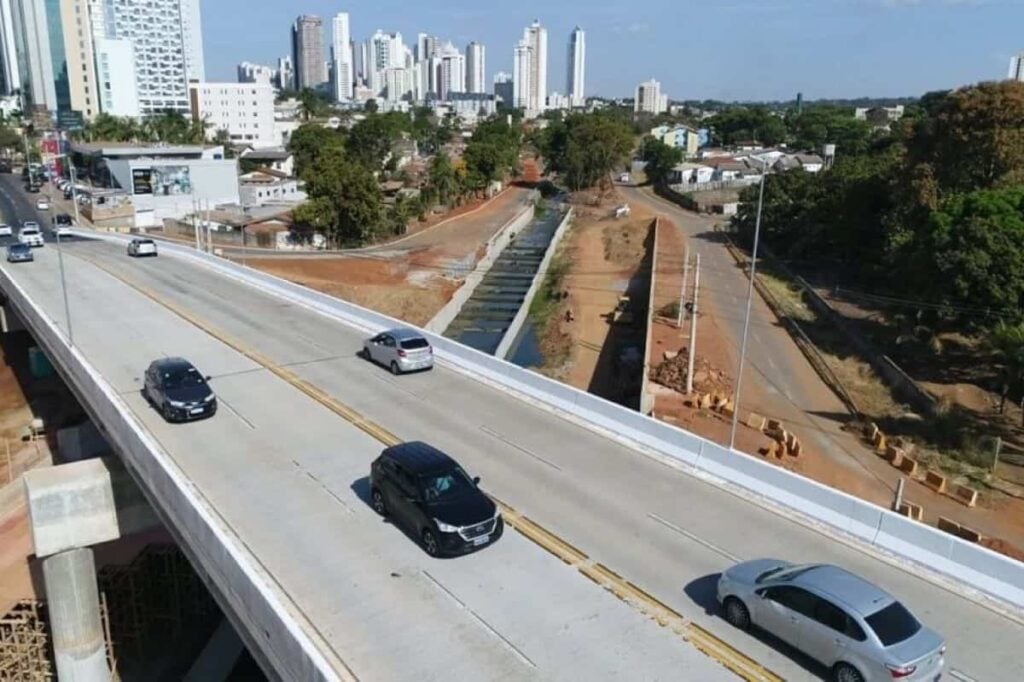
{"points": [[971, 565], [439, 323], [646, 398], [542, 271]]}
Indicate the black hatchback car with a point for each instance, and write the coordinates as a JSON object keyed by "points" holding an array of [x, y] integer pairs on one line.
{"points": [[177, 389], [426, 492]]}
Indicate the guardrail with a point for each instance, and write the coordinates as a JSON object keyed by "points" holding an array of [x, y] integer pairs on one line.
{"points": [[542, 271], [271, 624], [971, 565]]}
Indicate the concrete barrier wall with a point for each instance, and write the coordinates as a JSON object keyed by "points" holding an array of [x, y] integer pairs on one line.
{"points": [[262, 613], [524, 310], [439, 323], [995, 574], [646, 398]]}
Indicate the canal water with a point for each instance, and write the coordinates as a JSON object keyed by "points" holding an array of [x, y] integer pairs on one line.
{"points": [[487, 314]]}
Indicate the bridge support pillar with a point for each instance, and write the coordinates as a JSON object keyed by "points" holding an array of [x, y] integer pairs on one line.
{"points": [[73, 603]]}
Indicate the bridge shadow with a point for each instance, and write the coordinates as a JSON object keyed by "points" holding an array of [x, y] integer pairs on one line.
{"points": [[704, 593]]}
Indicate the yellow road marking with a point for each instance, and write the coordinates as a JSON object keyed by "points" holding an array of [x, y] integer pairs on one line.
{"points": [[734, 660]]}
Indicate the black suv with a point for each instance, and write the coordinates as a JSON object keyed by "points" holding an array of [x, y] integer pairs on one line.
{"points": [[176, 388], [427, 492], [62, 219]]}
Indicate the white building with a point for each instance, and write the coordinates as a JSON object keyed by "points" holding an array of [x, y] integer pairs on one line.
{"points": [[343, 67], [385, 51], [165, 54], [1016, 67], [262, 187], [256, 73], [521, 75], [10, 74], [398, 84], [536, 36], [244, 110], [115, 74], [649, 98], [451, 71], [285, 73], [575, 80], [32, 47], [476, 68], [558, 101]]}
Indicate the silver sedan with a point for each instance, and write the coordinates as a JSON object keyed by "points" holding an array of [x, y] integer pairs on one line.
{"points": [[400, 350], [855, 629]]}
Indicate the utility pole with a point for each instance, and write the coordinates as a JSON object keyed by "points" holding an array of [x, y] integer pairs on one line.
{"points": [[898, 499], [64, 290], [74, 191], [682, 292], [209, 230], [195, 222], [693, 328]]}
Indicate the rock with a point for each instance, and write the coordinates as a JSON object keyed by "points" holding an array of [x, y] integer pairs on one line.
{"points": [[671, 355]]}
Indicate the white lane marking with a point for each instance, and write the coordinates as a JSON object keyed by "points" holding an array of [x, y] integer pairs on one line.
{"points": [[323, 485], [956, 674], [771, 361], [506, 441], [699, 540], [512, 647], [235, 412]]}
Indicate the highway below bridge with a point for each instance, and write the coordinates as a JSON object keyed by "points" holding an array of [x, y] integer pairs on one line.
{"points": [[284, 466]]}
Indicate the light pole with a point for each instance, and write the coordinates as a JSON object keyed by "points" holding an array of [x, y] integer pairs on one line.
{"points": [[746, 319], [60, 251]]}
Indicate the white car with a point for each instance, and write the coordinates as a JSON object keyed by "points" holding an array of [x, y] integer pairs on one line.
{"points": [[141, 247], [30, 235], [5, 230], [42, 204], [63, 231]]}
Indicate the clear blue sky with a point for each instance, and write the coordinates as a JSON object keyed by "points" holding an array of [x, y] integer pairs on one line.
{"points": [[721, 49]]}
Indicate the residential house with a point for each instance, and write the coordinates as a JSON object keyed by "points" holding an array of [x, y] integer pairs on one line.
{"points": [[267, 186], [280, 160], [680, 137], [690, 174], [727, 168], [812, 163]]}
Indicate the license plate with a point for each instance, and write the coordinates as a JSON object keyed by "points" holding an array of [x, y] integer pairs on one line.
{"points": [[196, 410], [482, 540]]}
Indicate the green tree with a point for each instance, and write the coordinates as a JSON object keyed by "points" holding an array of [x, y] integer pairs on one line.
{"points": [[444, 182], [660, 159], [311, 105], [738, 124], [492, 153], [370, 141], [585, 148], [345, 200], [821, 124], [9, 138], [310, 140]]}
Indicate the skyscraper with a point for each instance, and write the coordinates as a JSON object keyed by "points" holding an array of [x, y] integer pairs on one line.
{"points": [[1017, 67], [476, 68], [522, 61], [81, 65], [649, 98], [342, 58], [504, 88], [385, 51], [577, 66], [10, 75], [308, 52], [192, 39], [451, 71], [35, 60], [536, 36], [285, 73]]}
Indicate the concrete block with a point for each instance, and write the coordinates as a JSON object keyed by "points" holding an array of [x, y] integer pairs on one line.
{"points": [[793, 449], [908, 466], [965, 495], [774, 425], [892, 452], [949, 526], [911, 511], [704, 402], [935, 481], [970, 534], [84, 441], [897, 460], [879, 442], [756, 421]]}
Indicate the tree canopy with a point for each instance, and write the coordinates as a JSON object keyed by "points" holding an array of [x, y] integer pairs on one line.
{"points": [[660, 159], [585, 148]]}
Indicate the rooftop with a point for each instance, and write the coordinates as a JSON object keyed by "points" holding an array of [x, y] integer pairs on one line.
{"points": [[419, 457]]}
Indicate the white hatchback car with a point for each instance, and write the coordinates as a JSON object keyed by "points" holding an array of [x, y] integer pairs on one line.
{"points": [[30, 235], [5, 230], [142, 247], [42, 204]]}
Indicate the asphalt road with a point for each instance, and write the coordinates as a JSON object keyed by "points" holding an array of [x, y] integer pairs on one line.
{"points": [[666, 531]]}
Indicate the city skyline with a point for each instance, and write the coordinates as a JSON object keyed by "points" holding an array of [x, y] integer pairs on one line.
{"points": [[828, 49]]}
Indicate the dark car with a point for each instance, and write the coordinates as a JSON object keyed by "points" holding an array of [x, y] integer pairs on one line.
{"points": [[427, 493], [19, 253], [177, 389], [62, 219]]}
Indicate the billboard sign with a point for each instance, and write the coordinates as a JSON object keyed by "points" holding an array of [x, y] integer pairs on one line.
{"points": [[142, 181], [171, 180]]}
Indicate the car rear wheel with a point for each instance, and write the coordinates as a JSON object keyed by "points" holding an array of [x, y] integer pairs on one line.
{"points": [[845, 672], [394, 368], [736, 613], [430, 542], [377, 500]]}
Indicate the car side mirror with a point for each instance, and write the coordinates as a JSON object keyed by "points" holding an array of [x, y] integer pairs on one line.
{"points": [[761, 594], [476, 480], [208, 377]]}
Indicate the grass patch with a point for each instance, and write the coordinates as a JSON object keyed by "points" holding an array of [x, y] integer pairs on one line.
{"points": [[549, 293], [670, 310]]}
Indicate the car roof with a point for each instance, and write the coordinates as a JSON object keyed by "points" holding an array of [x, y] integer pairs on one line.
{"points": [[165, 364], [840, 585], [17, 245], [401, 333], [419, 457]]}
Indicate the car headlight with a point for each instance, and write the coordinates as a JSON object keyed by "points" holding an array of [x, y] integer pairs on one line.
{"points": [[209, 398], [445, 528], [176, 403]]}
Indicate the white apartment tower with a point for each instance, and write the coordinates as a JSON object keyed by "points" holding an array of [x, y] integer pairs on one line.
{"points": [[476, 68], [385, 51], [342, 58], [536, 36], [34, 57], [10, 74], [575, 82], [167, 43], [308, 53], [451, 71], [285, 73], [521, 75], [649, 98], [1017, 67], [255, 73]]}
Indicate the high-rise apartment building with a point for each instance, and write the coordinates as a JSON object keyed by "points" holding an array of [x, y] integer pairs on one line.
{"points": [[385, 51], [10, 74], [256, 73], [34, 56], [343, 68], [476, 68], [649, 98], [504, 88], [1017, 67], [115, 73], [244, 110], [451, 71], [308, 53], [83, 90], [285, 73], [575, 80], [536, 36], [165, 54], [522, 60]]}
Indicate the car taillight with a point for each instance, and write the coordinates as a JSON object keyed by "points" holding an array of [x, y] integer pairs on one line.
{"points": [[900, 671], [401, 353]]}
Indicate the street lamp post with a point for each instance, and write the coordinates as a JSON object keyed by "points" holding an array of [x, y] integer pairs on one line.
{"points": [[746, 319], [64, 291]]}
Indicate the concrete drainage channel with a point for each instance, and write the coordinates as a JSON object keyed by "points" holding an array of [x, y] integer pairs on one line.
{"points": [[487, 315]]}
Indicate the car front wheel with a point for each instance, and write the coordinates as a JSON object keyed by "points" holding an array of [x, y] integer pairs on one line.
{"points": [[430, 542], [377, 499], [845, 672], [736, 613]]}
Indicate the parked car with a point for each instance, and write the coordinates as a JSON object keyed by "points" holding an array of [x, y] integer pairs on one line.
{"points": [[19, 253], [855, 629], [427, 493], [68, 194], [42, 204], [141, 247], [30, 235], [5, 230], [177, 389], [400, 350]]}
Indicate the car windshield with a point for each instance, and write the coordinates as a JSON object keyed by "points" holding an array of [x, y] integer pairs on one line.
{"points": [[446, 486], [144, 242], [18, 248], [414, 344], [183, 378], [30, 230], [893, 624]]}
